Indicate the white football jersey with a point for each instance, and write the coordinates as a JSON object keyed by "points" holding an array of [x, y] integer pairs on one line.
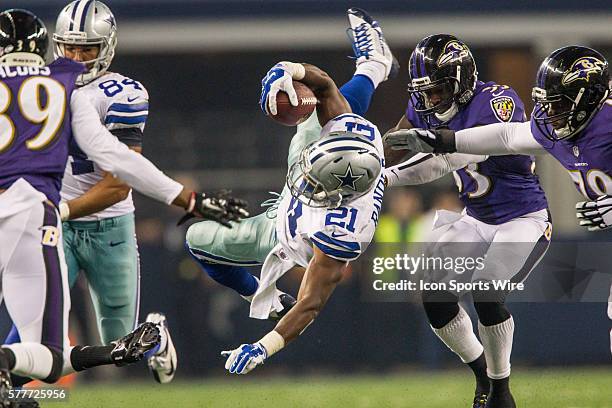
{"points": [[342, 233], [122, 103]]}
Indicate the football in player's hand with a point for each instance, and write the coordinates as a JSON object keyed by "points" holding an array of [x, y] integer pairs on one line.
{"points": [[290, 115]]}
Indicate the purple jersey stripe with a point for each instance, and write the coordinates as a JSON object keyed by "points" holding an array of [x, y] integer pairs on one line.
{"points": [[53, 317], [533, 259]]}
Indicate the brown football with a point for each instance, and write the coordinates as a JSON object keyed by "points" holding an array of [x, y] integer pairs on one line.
{"points": [[293, 115]]}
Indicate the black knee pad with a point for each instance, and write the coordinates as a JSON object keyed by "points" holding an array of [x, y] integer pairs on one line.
{"points": [[441, 307], [491, 314], [56, 368]]}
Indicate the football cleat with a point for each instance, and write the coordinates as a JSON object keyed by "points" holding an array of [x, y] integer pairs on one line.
{"points": [[480, 400], [163, 364], [287, 301], [500, 400], [368, 41], [132, 347]]}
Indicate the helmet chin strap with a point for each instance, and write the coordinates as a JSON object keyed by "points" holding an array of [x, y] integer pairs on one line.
{"points": [[24, 59], [448, 114]]}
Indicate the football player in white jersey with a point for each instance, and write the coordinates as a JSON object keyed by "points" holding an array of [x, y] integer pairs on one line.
{"points": [[96, 207], [328, 219]]}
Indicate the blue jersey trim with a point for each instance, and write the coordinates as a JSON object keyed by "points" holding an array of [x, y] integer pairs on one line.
{"points": [[335, 253], [347, 115], [126, 120], [352, 139], [129, 108], [351, 246]]}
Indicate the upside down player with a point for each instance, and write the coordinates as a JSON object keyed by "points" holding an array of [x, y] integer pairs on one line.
{"points": [[327, 220], [41, 112], [571, 121], [96, 207], [503, 199], [224, 253]]}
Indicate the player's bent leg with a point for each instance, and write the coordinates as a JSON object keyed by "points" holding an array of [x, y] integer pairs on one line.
{"points": [[223, 252], [36, 291], [517, 248], [448, 320], [453, 326], [113, 273]]}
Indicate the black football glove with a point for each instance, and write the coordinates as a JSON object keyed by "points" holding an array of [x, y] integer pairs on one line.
{"points": [[218, 206], [421, 140]]}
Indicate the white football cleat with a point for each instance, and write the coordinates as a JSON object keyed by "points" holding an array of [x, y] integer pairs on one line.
{"points": [[163, 364], [368, 41]]}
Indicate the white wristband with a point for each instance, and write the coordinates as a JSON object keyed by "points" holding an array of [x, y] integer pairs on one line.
{"points": [[64, 210], [272, 342], [297, 71]]}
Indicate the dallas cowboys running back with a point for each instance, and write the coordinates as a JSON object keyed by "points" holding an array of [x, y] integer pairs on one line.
{"points": [[503, 200], [328, 219], [223, 253], [571, 121], [40, 113]]}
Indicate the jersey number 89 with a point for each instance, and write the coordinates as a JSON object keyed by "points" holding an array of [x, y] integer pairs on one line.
{"points": [[50, 116]]}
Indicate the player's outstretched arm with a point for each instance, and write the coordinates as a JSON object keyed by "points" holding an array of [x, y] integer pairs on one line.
{"points": [[424, 168], [494, 139], [331, 102], [116, 158], [108, 191], [321, 278]]}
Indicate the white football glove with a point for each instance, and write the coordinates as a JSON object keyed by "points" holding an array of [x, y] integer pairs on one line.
{"points": [[279, 78], [245, 358], [595, 215]]}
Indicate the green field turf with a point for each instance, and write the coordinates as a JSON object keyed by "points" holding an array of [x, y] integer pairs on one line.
{"points": [[533, 389]]}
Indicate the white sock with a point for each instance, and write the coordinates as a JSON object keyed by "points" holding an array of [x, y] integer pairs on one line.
{"points": [[68, 368], [459, 336], [31, 360], [374, 70], [497, 342]]}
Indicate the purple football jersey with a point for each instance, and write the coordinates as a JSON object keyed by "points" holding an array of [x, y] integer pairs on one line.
{"points": [[587, 156], [37, 102], [500, 188]]}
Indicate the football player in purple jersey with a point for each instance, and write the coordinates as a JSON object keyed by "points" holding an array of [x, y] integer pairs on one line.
{"points": [[572, 121], [503, 203], [40, 114]]}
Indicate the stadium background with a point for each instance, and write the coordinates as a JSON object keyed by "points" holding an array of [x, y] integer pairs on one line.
{"points": [[202, 62]]}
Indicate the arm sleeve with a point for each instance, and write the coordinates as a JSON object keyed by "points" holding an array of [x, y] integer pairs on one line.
{"points": [[423, 168], [498, 139], [131, 137], [115, 157]]}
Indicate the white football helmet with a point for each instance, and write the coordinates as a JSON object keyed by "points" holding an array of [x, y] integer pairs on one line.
{"points": [[87, 22], [335, 170]]}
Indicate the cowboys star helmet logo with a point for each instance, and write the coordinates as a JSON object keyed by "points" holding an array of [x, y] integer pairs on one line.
{"points": [[453, 51], [348, 179], [582, 69]]}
